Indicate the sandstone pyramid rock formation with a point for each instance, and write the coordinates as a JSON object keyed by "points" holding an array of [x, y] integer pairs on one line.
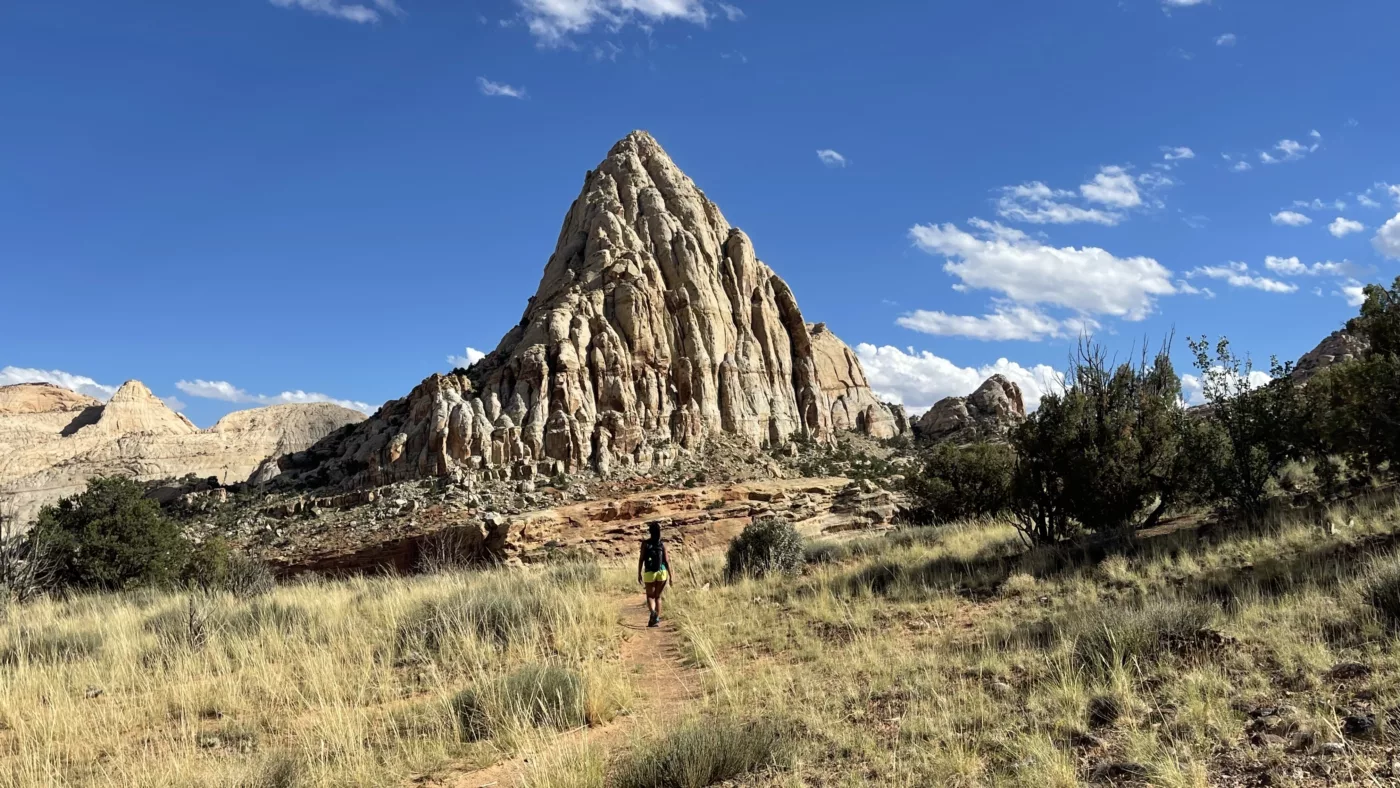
{"points": [[654, 327], [986, 414], [53, 440]]}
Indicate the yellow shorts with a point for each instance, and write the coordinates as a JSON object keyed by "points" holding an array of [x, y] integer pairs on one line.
{"points": [[660, 576]]}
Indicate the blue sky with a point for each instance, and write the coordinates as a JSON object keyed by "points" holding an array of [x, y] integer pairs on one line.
{"points": [[253, 201]]}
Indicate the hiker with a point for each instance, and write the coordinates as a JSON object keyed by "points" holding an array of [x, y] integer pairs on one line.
{"points": [[654, 570]]}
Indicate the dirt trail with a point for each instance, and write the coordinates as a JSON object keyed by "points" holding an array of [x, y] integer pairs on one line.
{"points": [[659, 677]]}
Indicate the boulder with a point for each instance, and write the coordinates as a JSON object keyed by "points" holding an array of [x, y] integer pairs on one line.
{"points": [[988, 413]]}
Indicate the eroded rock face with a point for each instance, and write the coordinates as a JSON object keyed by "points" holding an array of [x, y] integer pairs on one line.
{"points": [[53, 440], [654, 327], [1339, 346], [989, 412]]}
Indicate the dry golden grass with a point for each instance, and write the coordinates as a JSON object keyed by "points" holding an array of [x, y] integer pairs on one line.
{"points": [[947, 657], [336, 683]]}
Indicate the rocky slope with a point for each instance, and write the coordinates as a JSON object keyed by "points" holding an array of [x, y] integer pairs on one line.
{"points": [[654, 328], [1339, 346], [53, 440], [988, 413]]}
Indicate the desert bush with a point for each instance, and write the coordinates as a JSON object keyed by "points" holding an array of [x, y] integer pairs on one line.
{"points": [[574, 573], [765, 546], [285, 620], [537, 696], [48, 645], [705, 752], [110, 537], [825, 552], [962, 482], [1261, 425], [1098, 455], [215, 565], [449, 550], [26, 565]]}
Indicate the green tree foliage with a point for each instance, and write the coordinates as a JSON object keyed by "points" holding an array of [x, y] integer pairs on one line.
{"points": [[962, 482], [766, 546], [1354, 407], [110, 537], [1261, 424], [1106, 454]]}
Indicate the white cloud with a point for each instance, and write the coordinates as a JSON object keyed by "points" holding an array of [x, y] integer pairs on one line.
{"points": [[351, 12], [1292, 150], [1351, 290], [82, 384], [1288, 266], [227, 392], [1387, 240], [918, 380], [732, 13], [1290, 218], [1089, 280], [174, 403], [471, 356], [1183, 3], [1366, 201], [1176, 154], [1241, 166], [1006, 323], [1319, 205], [831, 158], [1237, 275], [1344, 227], [1192, 389], [1112, 186], [554, 21], [1226, 40], [489, 88], [1037, 203]]}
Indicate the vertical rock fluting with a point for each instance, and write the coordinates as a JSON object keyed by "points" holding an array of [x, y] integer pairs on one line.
{"points": [[654, 327]]}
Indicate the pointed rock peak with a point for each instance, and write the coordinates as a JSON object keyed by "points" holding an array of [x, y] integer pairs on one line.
{"points": [[133, 391], [135, 409], [655, 327]]}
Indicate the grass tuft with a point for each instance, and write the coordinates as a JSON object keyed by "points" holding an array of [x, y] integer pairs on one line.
{"points": [[705, 752]]}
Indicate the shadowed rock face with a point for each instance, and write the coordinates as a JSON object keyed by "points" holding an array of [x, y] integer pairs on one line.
{"points": [[654, 327], [988, 413]]}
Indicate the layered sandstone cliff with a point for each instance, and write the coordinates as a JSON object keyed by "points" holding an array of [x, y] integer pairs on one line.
{"points": [[53, 440], [654, 327]]}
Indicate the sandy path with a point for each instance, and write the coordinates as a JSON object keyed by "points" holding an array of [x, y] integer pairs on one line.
{"points": [[660, 678]]}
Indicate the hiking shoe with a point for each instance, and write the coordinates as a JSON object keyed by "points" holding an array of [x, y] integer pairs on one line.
{"points": [[655, 621]]}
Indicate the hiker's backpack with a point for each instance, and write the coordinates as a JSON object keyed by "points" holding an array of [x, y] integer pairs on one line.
{"points": [[652, 554]]}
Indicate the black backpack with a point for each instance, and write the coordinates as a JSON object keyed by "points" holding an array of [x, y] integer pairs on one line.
{"points": [[652, 555]]}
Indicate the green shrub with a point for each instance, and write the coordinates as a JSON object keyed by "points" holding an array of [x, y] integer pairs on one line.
{"points": [[110, 537], [766, 546], [48, 646], [535, 696], [962, 482], [1096, 456], [705, 752]]}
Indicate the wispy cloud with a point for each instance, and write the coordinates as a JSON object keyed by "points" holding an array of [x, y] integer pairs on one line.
{"points": [[1226, 40], [831, 158], [732, 13], [224, 391], [362, 13], [10, 376], [553, 22], [1238, 275], [919, 379], [1177, 154], [489, 88]]}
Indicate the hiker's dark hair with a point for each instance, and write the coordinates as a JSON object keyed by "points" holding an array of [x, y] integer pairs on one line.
{"points": [[655, 530]]}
